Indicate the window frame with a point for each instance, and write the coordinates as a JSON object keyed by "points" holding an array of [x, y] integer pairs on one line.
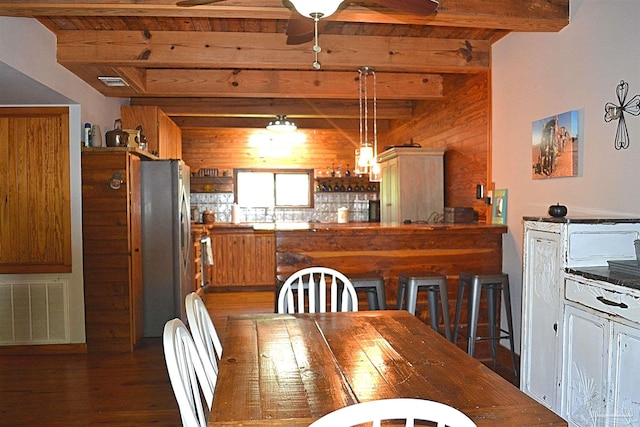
{"points": [[277, 171]]}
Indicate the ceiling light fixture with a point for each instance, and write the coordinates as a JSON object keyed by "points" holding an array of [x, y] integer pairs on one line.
{"points": [[316, 10], [282, 124], [367, 154]]}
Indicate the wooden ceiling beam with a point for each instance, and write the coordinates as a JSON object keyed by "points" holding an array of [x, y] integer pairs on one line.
{"points": [[264, 108], [182, 49], [288, 84], [195, 122], [513, 15]]}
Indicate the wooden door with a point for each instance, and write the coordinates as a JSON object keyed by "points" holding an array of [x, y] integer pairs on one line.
{"points": [[36, 198]]}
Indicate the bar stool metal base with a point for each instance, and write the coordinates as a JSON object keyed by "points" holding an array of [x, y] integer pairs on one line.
{"points": [[434, 284], [493, 284]]}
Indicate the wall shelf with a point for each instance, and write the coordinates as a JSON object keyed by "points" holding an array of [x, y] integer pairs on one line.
{"points": [[342, 185], [211, 184]]}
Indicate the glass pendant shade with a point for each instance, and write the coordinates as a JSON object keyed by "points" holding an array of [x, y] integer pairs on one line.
{"points": [[360, 167], [374, 172], [366, 155], [311, 8], [282, 124]]}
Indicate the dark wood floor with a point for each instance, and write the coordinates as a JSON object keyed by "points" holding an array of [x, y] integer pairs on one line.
{"points": [[109, 389]]}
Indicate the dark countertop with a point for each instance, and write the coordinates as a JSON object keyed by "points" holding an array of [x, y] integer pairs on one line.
{"points": [[581, 220], [604, 274]]}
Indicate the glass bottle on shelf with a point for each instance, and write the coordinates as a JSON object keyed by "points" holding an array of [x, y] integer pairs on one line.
{"points": [[333, 170], [347, 172]]}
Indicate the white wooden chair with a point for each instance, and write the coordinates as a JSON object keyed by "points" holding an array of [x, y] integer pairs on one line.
{"points": [[313, 281], [186, 372], [204, 335], [410, 410]]}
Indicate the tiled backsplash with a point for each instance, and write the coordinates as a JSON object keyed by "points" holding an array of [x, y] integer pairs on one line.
{"points": [[325, 208]]}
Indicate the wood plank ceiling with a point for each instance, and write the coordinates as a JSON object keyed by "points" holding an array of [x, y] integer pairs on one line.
{"points": [[228, 64]]}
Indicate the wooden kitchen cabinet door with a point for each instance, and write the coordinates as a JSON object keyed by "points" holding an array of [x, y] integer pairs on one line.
{"points": [[36, 198], [164, 137], [243, 259], [412, 185]]}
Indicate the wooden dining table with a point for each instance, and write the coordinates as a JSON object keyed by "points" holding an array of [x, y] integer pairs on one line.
{"points": [[291, 369]]}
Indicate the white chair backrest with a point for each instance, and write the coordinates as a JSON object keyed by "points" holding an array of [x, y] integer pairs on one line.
{"points": [[186, 372], [204, 334], [410, 410], [314, 281]]}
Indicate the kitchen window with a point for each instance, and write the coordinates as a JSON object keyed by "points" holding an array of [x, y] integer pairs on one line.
{"points": [[269, 188]]}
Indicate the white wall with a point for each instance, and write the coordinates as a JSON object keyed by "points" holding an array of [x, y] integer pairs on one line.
{"points": [[539, 75], [30, 48]]}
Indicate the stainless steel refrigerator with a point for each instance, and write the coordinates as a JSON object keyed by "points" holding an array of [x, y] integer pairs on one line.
{"points": [[166, 242]]}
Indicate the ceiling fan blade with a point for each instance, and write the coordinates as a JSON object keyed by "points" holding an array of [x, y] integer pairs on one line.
{"points": [[190, 3], [299, 29], [414, 7]]}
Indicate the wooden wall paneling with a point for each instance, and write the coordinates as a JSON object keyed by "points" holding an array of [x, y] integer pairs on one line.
{"points": [[459, 123], [111, 251], [228, 148]]}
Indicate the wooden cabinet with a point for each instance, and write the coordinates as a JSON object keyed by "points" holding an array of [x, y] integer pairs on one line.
{"points": [[243, 258], [112, 250], [35, 218], [412, 186], [164, 137]]}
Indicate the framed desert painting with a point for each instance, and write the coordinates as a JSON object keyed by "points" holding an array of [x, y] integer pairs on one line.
{"points": [[555, 146]]}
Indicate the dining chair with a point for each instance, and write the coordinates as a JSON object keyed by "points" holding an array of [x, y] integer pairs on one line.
{"points": [[187, 374], [313, 281], [204, 334], [410, 410]]}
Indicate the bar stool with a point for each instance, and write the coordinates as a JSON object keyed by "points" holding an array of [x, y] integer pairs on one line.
{"points": [[373, 284], [492, 283], [434, 284]]}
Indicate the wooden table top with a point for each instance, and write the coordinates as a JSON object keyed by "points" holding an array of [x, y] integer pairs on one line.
{"points": [[289, 370]]}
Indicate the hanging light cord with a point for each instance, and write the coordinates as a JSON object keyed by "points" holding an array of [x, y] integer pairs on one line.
{"points": [[375, 117], [316, 47]]}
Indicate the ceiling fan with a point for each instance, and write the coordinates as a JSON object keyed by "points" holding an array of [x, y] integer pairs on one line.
{"points": [[306, 14]]}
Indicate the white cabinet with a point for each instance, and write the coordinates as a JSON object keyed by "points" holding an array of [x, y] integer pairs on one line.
{"points": [[585, 367], [542, 314], [602, 350], [573, 359], [412, 186]]}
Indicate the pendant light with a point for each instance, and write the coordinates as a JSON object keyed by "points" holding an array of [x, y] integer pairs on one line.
{"points": [[315, 10], [281, 124], [367, 154]]}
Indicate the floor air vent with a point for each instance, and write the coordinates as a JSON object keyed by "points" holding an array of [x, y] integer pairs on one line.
{"points": [[34, 312]]}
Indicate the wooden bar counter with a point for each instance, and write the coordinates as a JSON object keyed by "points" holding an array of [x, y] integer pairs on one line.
{"points": [[391, 249]]}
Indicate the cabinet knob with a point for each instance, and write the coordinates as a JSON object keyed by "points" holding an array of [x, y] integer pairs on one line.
{"points": [[555, 327]]}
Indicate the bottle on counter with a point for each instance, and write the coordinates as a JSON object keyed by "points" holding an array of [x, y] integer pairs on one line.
{"points": [[87, 134]]}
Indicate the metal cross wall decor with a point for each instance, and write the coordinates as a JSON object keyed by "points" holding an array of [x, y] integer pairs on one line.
{"points": [[616, 112]]}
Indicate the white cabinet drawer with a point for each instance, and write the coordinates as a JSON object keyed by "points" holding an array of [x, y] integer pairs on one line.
{"points": [[603, 298]]}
